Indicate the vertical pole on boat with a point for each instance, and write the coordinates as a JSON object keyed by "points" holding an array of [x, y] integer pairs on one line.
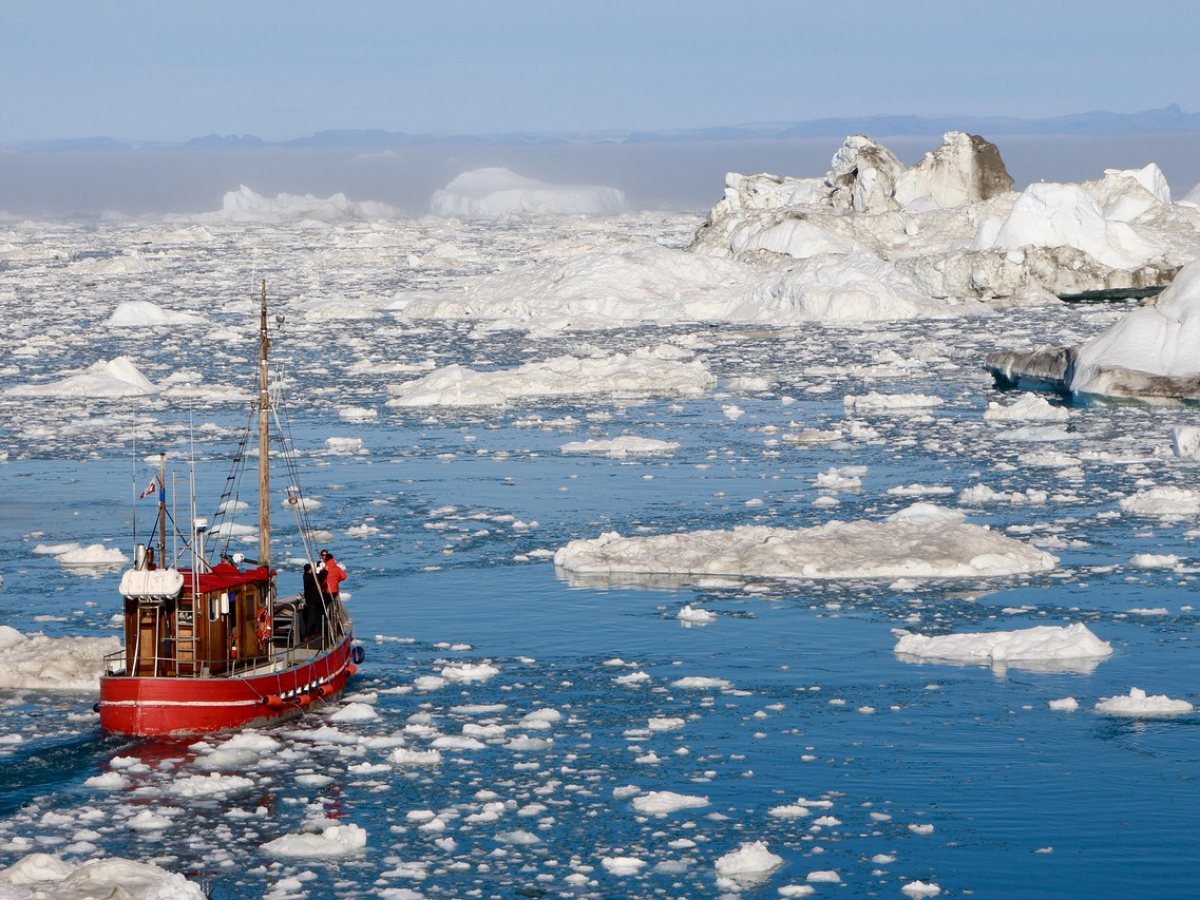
{"points": [[162, 509], [264, 449]]}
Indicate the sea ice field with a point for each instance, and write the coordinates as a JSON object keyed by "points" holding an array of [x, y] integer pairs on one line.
{"points": [[660, 597]]}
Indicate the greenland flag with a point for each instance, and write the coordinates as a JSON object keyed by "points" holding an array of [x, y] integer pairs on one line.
{"points": [[150, 488]]}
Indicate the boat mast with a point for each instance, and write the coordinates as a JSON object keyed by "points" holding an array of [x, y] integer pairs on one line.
{"points": [[162, 510], [264, 449]]}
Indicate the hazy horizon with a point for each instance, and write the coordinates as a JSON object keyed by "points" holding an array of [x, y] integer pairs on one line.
{"points": [[655, 176]]}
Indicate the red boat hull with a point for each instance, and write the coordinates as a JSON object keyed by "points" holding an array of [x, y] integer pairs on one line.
{"points": [[156, 706]]}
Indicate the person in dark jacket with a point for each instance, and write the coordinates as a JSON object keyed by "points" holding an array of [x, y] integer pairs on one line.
{"points": [[314, 605]]}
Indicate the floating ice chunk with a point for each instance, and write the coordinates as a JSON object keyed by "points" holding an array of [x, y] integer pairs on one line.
{"points": [[144, 314], [457, 742], [632, 678], [357, 413], [824, 876], [701, 683], [752, 862], [93, 555], [846, 478], [663, 802], [862, 549], [354, 712], [149, 820], [40, 875], [469, 672], [1044, 642], [1155, 561], [1139, 705], [665, 723], [622, 865], [209, 785], [693, 615], [1163, 501], [344, 445], [981, 495], [891, 403], [541, 717], [334, 841], [1066, 704], [107, 781], [620, 447], [518, 837], [921, 889], [1028, 407], [790, 811]]}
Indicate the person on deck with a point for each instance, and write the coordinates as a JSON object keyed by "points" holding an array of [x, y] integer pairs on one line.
{"points": [[314, 605], [331, 574]]}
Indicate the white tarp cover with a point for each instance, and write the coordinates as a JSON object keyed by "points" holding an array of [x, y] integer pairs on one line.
{"points": [[151, 583]]}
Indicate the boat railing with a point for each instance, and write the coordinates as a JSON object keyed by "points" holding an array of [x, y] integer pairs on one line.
{"points": [[116, 664]]}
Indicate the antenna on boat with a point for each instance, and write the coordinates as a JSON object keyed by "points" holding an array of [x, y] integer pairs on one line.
{"points": [[162, 508], [264, 450]]}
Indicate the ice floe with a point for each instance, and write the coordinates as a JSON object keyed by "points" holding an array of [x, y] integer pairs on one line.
{"points": [[1041, 644], [647, 372], [904, 547], [1137, 703]]}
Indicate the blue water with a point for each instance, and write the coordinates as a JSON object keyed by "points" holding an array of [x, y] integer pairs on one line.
{"points": [[1023, 800]]}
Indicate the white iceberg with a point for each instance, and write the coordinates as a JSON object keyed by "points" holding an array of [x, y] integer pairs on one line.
{"points": [[118, 377], [144, 314], [1137, 704], [499, 192]]}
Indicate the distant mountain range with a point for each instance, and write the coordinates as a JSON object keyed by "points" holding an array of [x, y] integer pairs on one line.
{"points": [[1169, 119]]}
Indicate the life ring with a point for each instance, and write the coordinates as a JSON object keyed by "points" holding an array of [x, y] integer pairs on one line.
{"points": [[264, 626]]}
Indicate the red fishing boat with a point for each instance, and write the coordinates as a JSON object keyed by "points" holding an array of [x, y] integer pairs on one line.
{"points": [[210, 647]]}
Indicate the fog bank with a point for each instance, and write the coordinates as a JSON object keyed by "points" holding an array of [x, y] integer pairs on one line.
{"points": [[685, 175]]}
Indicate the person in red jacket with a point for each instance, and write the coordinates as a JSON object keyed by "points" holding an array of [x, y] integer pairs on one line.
{"points": [[330, 574]]}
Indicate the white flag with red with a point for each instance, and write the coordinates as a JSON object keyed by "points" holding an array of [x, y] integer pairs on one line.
{"points": [[150, 488]]}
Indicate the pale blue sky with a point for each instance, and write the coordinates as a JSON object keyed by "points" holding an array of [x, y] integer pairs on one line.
{"points": [[171, 70]]}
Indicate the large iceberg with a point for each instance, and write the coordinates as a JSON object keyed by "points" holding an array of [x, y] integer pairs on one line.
{"points": [[954, 226], [636, 283], [245, 207], [501, 192], [1153, 351]]}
